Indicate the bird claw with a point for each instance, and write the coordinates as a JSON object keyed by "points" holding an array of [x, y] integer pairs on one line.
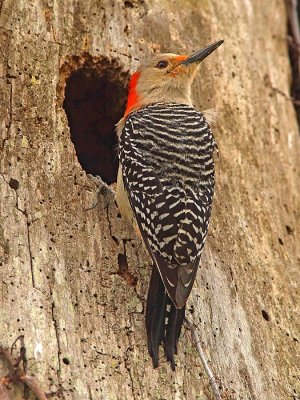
{"points": [[102, 189]]}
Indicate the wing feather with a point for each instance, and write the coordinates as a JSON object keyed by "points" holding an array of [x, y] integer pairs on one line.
{"points": [[172, 217]]}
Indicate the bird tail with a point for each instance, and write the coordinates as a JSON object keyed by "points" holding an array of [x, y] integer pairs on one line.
{"points": [[163, 320]]}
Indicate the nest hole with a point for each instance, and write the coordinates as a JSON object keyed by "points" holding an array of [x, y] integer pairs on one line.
{"points": [[95, 99]]}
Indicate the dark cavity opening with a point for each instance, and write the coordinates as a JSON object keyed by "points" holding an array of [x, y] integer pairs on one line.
{"points": [[265, 315], [95, 99], [293, 12]]}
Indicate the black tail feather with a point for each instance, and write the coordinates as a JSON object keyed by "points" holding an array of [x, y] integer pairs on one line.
{"points": [[179, 322], [170, 334], [155, 314], [159, 328], [173, 329]]}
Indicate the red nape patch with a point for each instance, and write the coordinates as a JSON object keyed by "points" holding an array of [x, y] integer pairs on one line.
{"points": [[133, 98]]}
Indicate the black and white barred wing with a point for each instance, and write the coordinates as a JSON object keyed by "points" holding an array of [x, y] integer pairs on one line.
{"points": [[172, 216]]}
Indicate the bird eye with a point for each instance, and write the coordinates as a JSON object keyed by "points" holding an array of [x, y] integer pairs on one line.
{"points": [[162, 64]]}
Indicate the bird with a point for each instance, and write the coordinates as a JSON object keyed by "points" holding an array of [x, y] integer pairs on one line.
{"points": [[165, 186]]}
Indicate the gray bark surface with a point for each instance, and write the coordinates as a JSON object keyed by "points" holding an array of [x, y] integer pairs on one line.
{"points": [[64, 283]]}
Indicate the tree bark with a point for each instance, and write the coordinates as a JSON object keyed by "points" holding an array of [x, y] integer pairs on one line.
{"points": [[73, 280]]}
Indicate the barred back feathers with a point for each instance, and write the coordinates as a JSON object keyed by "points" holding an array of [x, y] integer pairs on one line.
{"points": [[166, 153]]}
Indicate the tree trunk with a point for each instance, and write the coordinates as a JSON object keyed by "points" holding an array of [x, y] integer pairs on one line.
{"points": [[74, 278]]}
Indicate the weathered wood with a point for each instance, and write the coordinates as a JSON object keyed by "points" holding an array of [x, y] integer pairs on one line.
{"points": [[64, 281]]}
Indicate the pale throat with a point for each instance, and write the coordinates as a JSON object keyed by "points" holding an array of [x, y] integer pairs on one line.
{"points": [[165, 94], [142, 94]]}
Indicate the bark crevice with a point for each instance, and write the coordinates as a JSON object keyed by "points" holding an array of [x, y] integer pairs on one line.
{"points": [[56, 329]]}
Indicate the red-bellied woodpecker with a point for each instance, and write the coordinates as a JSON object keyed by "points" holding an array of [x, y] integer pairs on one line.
{"points": [[166, 184]]}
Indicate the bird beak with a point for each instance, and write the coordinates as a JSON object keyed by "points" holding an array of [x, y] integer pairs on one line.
{"points": [[199, 55]]}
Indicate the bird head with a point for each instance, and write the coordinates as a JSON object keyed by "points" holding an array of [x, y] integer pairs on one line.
{"points": [[166, 78]]}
